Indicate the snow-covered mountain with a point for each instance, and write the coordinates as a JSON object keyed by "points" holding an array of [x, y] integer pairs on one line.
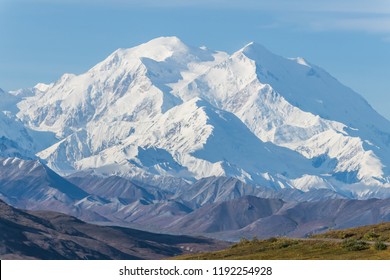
{"points": [[165, 112], [17, 140], [299, 106]]}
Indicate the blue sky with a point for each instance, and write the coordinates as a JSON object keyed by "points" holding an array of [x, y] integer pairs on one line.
{"points": [[42, 39]]}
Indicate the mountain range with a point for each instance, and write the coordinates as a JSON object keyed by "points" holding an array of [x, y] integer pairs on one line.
{"points": [[52, 235], [159, 135]]}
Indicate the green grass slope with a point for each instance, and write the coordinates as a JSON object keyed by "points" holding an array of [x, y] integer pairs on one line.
{"points": [[363, 243], [368, 233]]}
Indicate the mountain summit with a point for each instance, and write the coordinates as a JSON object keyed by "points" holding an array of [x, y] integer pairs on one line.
{"points": [[167, 110]]}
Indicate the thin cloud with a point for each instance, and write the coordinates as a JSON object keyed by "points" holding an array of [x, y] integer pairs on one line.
{"points": [[321, 15], [366, 24], [346, 6], [352, 6]]}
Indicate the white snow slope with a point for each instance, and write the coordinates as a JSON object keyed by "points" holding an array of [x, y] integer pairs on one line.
{"points": [[164, 109], [16, 140]]}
